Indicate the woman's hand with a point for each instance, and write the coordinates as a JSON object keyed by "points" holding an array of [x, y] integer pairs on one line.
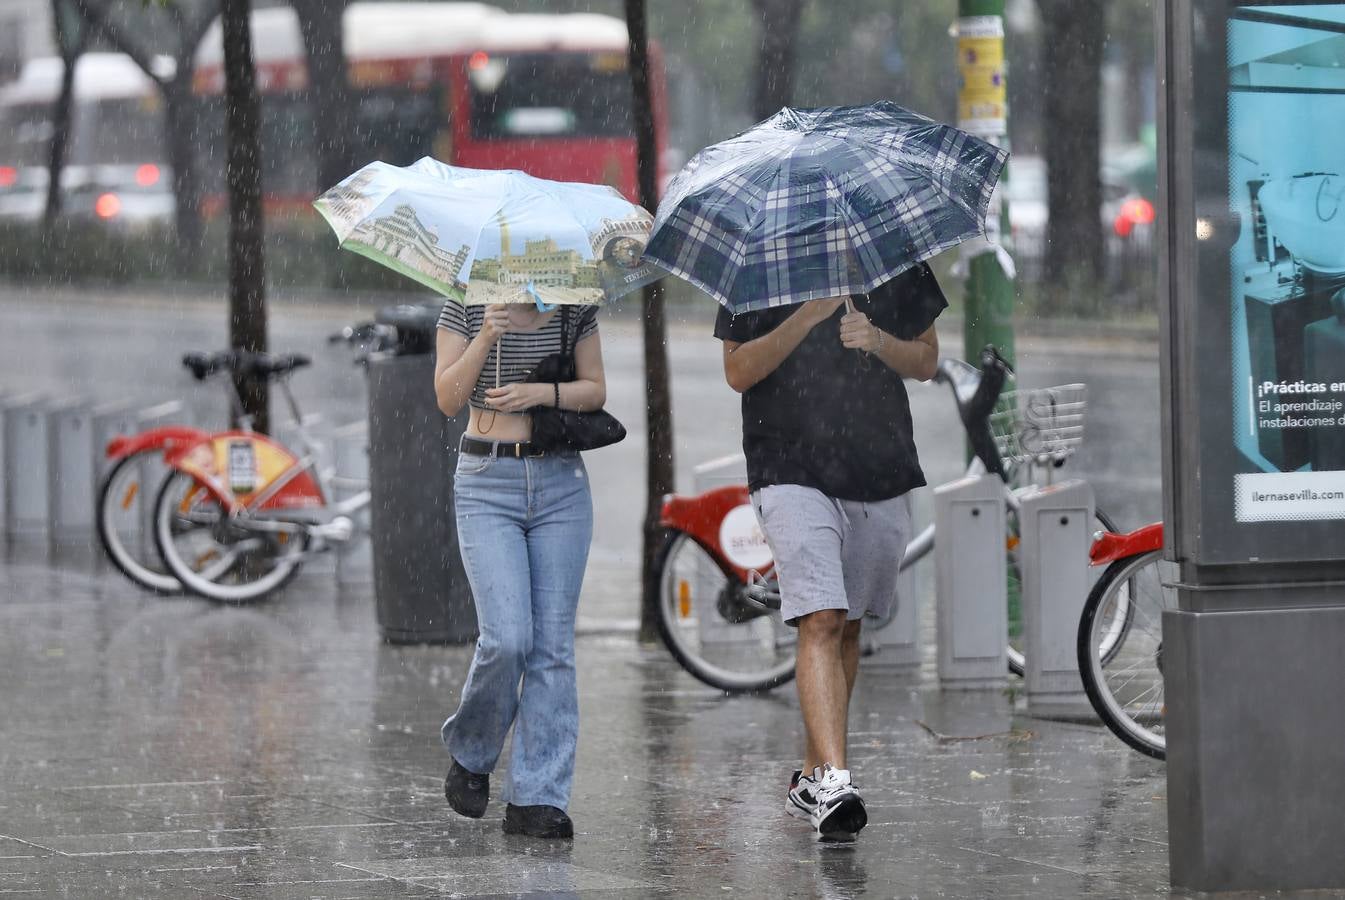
{"points": [[858, 333], [512, 398], [495, 323]]}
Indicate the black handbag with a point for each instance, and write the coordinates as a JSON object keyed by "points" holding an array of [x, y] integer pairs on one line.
{"points": [[555, 429]]}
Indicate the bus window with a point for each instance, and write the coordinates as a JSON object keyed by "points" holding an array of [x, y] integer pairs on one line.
{"points": [[397, 125], [535, 95], [25, 135], [120, 131], [286, 146]]}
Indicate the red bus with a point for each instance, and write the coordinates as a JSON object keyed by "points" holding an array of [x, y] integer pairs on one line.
{"points": [[466, 83]]}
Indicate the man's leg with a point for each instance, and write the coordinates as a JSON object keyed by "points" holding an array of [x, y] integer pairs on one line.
{"points": [[849, 650], [823, 685]]}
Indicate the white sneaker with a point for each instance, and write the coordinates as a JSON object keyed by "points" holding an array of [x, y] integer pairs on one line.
{"points": [[839, 814], [801, 801]]}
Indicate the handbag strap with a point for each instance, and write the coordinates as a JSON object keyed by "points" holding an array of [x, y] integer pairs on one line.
{"points": [[565, 348]]}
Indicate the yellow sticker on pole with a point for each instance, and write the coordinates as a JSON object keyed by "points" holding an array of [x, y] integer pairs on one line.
{"points": [[982, 97]]}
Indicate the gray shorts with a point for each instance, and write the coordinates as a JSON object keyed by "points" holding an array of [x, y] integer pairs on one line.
{"points": [[833, 554]]}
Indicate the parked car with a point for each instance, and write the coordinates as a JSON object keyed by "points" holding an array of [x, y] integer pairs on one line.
{"points": [[117, 196]]}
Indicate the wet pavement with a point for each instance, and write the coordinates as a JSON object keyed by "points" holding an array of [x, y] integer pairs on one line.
{"points": [[172, 748]]}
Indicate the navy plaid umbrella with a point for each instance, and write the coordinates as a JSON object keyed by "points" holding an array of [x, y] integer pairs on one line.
{"points": [[816, 203]]}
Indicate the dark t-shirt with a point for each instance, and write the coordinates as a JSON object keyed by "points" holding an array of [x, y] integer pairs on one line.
{"points": [[832, 418]]}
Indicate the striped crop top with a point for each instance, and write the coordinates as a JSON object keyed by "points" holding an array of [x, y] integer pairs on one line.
{"points": [[522, 350]]}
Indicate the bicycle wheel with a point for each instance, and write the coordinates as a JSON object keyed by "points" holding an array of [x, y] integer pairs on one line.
{"points": [[1125, 685], [214, 555], [122, 520], [1014, 588], [711, 626]]}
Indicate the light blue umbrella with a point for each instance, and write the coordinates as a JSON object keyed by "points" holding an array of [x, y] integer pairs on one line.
{"points": [[815, 203], [492, 236]]}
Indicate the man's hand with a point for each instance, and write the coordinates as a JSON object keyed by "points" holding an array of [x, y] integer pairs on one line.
{"points": [[815, 312], [858, 333], [518, 397]]}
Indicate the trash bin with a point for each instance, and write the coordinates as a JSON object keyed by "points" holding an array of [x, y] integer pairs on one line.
{"points": [[420, 587]]}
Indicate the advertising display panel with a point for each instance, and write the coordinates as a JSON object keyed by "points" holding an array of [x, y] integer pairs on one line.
{"points": [[1265, 209], [1252, 276]]}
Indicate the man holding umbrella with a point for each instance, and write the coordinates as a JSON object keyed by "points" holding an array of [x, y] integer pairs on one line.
{"points": [[809, 211], [830, 454]]}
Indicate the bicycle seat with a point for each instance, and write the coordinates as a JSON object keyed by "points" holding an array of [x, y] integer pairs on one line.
{"points": [[267, 365]]}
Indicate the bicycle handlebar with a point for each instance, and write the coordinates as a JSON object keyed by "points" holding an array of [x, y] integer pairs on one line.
{"points": [[242, 362]]}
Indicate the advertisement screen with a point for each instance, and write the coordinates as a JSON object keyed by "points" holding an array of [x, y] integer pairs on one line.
{"points": [[1286, 186]]}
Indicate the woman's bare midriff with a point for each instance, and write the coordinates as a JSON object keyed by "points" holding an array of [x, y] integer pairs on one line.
{"points": [[498, 426]]}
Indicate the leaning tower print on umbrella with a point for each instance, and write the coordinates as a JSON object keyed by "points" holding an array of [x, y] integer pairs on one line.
{"points": [[492, 236], [485, 236]]}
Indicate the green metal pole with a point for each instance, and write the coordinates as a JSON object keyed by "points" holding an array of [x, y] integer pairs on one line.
{"points": [[983, 111]]}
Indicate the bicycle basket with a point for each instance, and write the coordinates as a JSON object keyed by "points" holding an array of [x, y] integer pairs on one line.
{"points": [[1040, 425]]}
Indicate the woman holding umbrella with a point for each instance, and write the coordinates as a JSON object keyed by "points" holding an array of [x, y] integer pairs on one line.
{"points": [[525, 522], [524, 511]]}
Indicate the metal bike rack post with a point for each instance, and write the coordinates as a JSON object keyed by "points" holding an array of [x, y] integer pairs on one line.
{"points": [[895, 647], [27, 437], [972, 618], [726, 470], [1053, 557], [71, 462], [108, 421], [350, 449], [152, 470]]}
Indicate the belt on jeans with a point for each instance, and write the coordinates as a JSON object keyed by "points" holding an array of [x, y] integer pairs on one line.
{"points": [[516, 449]]}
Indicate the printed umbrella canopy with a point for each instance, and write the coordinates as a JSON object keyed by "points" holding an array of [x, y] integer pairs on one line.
{"points": [[815, 203], [492, 236]]}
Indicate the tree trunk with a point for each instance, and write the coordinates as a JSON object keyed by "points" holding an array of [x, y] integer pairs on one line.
{"points": [[179, 131], [320, 21], [70, 38], [658, 392], [1072, 39], [60, 139], [247, 278], [179, 138], [773, 83]]}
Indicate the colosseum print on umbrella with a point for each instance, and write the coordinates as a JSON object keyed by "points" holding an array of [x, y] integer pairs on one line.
{"points": [[492, 236], [815, 203]]}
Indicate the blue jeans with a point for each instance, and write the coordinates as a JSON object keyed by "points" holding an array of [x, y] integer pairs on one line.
{"points": [[524, 527]]}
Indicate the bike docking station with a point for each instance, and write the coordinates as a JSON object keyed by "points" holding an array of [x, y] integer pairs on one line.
{"points": [[51, 461], [971, 622], [1054, 523], [1252, 246]]}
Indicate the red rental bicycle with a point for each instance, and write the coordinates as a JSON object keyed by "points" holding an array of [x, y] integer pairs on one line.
{"points": [[1120, 642]]}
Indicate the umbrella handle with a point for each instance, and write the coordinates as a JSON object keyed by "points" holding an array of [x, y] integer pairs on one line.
{"points": [[485, 429], [864, 357]]}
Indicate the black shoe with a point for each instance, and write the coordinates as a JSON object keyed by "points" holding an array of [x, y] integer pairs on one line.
{"points": [[467, 792], [537, 821]]}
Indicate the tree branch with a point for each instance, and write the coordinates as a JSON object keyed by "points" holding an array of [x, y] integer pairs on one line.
{"points": [[97, 18]]}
